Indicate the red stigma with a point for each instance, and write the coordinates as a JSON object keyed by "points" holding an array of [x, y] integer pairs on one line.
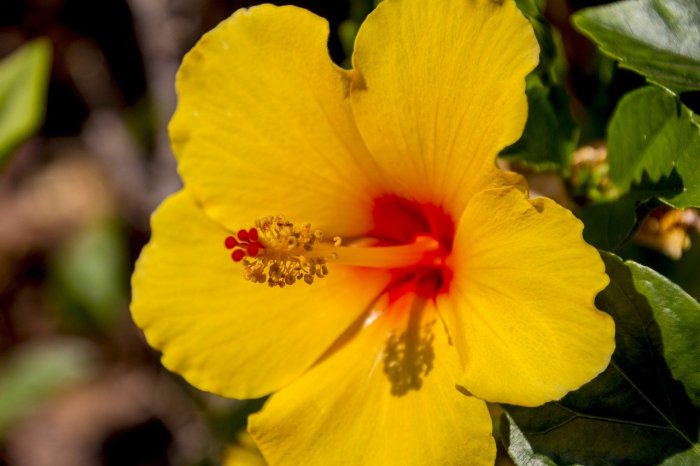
{"points": [[253, 234], [230, 242], [253, 249], [244, 243]]}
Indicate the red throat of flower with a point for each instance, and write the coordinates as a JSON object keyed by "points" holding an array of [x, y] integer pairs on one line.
{"points": [[400, 221], [409, 239]]}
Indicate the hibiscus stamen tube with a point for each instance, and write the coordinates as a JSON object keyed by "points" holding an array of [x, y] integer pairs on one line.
{"points": [[278, 253]]}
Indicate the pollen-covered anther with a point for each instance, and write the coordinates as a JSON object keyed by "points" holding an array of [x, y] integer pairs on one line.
{"points": [[282, 253]]}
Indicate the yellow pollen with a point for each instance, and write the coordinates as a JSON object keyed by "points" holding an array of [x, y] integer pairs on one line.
{"points": [[291, 253]]}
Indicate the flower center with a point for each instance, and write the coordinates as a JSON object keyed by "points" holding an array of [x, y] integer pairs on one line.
{"points": [[399, 221], [410, 240]]}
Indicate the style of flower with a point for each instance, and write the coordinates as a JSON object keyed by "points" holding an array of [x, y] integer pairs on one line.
{"points": [[382, 276]]}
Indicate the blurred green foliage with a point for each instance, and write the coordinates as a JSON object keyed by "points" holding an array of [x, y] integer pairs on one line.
{"points": [[34, 372], [88, 274], [23, 81]]}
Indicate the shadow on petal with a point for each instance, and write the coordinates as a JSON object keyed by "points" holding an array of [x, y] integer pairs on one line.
{"points": [[408, 356]]}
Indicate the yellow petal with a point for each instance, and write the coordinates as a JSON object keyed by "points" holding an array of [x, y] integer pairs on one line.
{"points": [[387, 397], [520, 307], [243, 453], [225, 334], [439, 89], [263, 127]]}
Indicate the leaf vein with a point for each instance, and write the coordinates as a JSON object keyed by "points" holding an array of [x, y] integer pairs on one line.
{"points": [[680, 433]]}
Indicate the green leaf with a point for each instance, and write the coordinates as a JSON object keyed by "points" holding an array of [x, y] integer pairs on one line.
{"points": [[607, 225], [678, 317], [687, 458], [652, 136], [635, 412], [23, 80], [611, 224], [659, 39], [34, 372]]}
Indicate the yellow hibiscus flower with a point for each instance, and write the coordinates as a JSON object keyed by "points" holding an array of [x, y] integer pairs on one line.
{"points": [[435, 282]]}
